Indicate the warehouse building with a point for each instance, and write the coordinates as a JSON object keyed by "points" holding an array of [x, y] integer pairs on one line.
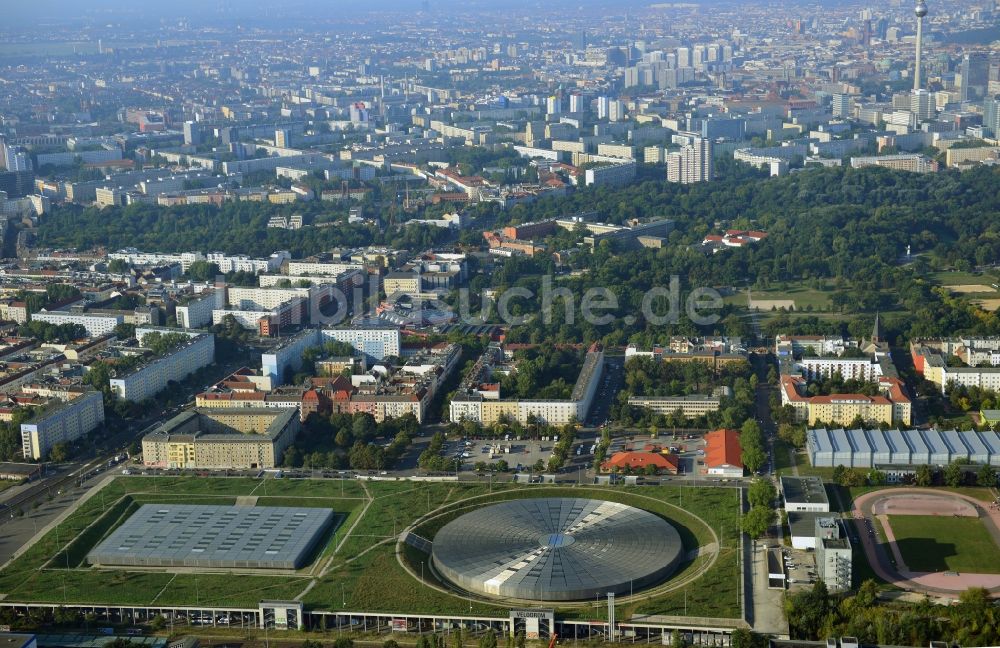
{"points": [[215, 537], [873, 448]]}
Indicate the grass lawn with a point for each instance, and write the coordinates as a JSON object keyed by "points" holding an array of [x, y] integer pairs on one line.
{"points": [[957, 278], [363, 573], [67, 578], [808, 470], [930, 543], [801, 295]]}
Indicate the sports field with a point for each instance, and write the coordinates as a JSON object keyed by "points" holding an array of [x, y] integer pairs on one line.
{"points": [[936, 543]]}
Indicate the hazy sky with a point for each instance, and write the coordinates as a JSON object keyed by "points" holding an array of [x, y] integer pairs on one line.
{"points": [[44, 11]]}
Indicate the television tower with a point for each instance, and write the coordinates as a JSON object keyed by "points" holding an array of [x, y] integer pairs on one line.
{"points": [[920, 11]]}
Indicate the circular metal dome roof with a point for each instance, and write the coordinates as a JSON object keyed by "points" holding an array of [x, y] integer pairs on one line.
{"points": [[556, 549]]}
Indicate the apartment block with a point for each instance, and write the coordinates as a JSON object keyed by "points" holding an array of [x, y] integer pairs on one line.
{"points": [[96, 325], [176, 365], [195, 311], [930, 358], [67, 417], [480, 402], [219, 439]]}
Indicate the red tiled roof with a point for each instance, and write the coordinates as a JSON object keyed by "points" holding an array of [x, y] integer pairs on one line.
{"points": [[790, 386], [722, 448], [641, 460]]}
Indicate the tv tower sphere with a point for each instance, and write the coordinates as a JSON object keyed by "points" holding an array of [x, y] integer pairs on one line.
{"points": [[921, 9]]}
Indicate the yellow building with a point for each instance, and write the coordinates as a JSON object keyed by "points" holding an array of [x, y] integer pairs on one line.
{"points": [[214, 439], [842, 409]]}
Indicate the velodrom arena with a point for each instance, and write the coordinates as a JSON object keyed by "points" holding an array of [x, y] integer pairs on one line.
{"points": [[556, 549]]}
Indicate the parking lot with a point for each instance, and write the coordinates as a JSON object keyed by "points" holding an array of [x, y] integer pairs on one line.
{"points": [[800, 568], [689, 447], [521, 455]]}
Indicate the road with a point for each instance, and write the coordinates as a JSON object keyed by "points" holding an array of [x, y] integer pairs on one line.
{"points": [[607, 392], [41, 504]]}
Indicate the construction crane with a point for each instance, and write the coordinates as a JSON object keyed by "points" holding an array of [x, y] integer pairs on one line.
{"points": [[552, 640]]}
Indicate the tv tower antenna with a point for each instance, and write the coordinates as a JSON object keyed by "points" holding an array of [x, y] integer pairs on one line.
{"points": [[920, 10]]}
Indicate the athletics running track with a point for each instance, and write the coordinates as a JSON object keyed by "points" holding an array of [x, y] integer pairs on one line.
{"points": [[920, 501]]}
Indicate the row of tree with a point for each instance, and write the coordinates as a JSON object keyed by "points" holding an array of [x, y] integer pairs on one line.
{"points": [[752, 453], [956, 474], [815, 614], [761, 495]]}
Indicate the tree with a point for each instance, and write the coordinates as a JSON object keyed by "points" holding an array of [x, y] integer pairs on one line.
{"points": [[390, 643], [753, 458], [60, 292], [740, 638], [364, 427], [488, 640], [877, 478], [807, 612], [867, 594], [124, 331], [757, 521], [203, 271], [59, 453], [343, 642], [311, 643], [792, 434], [924, 476], [953, 474], [743, 638], [118, 266], [750, 430], [987, 476], [762, 492]]}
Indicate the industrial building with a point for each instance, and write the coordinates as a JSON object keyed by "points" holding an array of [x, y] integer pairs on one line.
{"points": [[556, 549], [874, 448], [804, 494], [834, 557], [215, 537]]}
